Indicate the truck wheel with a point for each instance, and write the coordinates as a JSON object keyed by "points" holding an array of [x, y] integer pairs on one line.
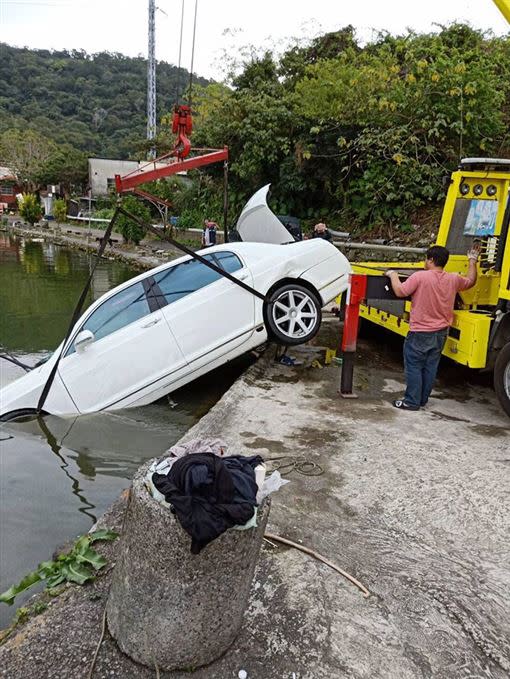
{"points": [[293, 314], [502, 378]]}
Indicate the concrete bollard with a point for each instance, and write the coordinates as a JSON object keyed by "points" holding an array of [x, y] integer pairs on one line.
{"points": [[168, 607]]}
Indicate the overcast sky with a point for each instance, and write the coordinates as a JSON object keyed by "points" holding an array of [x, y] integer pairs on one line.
{"points": [[224, 26]]}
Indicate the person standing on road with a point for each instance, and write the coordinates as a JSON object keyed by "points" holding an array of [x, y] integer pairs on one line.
{"points": [[432, 293], [209, 233]]}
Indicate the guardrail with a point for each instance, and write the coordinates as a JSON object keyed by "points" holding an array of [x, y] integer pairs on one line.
{"points": [[374, 246]]}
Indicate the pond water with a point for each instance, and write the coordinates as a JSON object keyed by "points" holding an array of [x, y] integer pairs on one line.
{"points": [[57, 476]]}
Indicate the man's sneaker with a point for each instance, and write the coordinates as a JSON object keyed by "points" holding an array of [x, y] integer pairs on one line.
{"points": [[402, 405]]}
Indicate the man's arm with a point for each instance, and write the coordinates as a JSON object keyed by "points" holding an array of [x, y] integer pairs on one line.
{"points": [[395, 283], [472, 273]]}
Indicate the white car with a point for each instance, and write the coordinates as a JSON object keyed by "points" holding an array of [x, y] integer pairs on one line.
{"points": [[167, 326]]}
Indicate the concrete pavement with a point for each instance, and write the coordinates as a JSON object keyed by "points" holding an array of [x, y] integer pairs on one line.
{"points": [[415, 505]]}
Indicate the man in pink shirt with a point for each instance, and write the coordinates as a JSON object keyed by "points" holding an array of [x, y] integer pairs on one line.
{"points": [[432, 293]]}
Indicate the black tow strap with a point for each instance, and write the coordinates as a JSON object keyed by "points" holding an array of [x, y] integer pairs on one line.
{"points": [[187, 251], [77, 311], [102, 245]]}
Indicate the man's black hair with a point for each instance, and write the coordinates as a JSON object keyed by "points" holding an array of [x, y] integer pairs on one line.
{"points": [[438, 254]]}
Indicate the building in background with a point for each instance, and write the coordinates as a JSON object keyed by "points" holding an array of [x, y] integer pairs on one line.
{"points": [[9, 187], [102, 172]]}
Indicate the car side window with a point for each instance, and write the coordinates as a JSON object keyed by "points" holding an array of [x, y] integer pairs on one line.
{"points": [[126, 307], [187, 277], [225, 260]]}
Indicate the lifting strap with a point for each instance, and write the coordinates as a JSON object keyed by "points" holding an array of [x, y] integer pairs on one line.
{"points": [[195, 255], [77, 311]]}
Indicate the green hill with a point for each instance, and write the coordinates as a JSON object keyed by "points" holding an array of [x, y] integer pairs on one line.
{"points": [[94, 102]]}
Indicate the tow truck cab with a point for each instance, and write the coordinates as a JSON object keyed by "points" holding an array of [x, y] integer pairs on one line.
{"points": [[477, 209]]}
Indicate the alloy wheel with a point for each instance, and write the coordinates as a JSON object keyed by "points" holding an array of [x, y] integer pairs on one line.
{"points": [[294, 314]]}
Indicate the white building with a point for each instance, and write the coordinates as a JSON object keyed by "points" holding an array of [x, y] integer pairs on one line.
{"points": [[102, 172]]}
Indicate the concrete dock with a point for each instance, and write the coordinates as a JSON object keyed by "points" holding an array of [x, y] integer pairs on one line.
{"points": [[414, 505]]}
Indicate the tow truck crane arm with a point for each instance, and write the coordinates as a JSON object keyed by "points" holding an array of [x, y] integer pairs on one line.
{"points": [[182, 125]]}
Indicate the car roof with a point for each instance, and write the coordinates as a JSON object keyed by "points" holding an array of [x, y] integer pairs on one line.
{"points": [[249, 251]]}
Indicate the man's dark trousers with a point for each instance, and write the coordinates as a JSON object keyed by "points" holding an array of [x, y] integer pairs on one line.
{"points": [[422, 351]]}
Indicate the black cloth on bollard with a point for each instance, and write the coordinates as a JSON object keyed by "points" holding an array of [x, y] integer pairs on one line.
{"points": [[210, 494]]}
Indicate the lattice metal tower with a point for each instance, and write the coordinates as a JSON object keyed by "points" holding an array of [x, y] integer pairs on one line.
{"points": [[151, 77]]}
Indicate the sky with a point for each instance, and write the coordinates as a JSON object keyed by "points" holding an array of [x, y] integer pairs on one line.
{"points": [[224, 27]]}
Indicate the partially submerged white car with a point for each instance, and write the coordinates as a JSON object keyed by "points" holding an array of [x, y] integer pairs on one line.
{"points": [[167, 326]]}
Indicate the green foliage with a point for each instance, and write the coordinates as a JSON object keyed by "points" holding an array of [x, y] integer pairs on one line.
{"points": [[77, 565], [131, 231], [60, 210], [104, 213], [25, 151], [30, 208], [361, 135], [404, 110], [95, 103], [65, 166]]}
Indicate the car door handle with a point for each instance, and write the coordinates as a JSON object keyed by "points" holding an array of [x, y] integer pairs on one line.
{"points": [[243, 276], [151, 322]]}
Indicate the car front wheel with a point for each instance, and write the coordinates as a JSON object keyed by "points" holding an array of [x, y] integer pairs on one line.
{"points": [[293, 314], [502, 378]]}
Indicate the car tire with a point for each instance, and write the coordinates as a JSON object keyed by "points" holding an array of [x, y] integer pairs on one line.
{"points": [[22, 414], [502, 378], [293, 314]]}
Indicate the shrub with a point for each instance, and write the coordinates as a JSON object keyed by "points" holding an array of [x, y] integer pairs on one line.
{"points": [[60, 210], [131, 231], [30, 208]]}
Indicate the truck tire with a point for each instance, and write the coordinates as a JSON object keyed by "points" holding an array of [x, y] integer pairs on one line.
{"points": [[502, 378]]}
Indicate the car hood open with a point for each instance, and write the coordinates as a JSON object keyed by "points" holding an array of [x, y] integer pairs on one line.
{"points": [[258, 224]]}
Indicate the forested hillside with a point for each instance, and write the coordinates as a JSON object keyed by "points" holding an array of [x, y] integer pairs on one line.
{"points": [[361, 135], [94, 103]]}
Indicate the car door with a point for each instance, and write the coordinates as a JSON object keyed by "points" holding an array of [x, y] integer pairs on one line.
{"points": [[209, 315], [133, 351]]}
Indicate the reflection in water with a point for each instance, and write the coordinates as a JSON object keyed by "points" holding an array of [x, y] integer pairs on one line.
{"points": [[40, 284], [76, 490], [58, 475]]}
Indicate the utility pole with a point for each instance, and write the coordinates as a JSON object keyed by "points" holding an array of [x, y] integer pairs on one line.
{"points": [[151, 78]]}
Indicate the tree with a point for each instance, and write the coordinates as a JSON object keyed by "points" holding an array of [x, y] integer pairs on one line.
{"points": [[25, 152], [130, 230], [30, 208], [394, 116], [65, 166], [60, 210]]}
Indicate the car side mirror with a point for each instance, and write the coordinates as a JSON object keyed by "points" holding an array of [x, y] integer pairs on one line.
{"points": [[83, 339]]}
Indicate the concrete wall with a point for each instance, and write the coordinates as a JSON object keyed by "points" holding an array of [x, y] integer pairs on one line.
{"points": [[102, 169]]}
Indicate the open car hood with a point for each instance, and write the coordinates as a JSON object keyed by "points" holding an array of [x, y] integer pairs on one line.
{"points": [[257, 224]]}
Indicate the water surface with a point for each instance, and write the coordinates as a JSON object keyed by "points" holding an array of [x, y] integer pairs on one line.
{"points": [[57, 476]]}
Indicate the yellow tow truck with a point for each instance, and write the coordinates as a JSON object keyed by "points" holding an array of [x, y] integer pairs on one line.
{"points": [[477, 208]]}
